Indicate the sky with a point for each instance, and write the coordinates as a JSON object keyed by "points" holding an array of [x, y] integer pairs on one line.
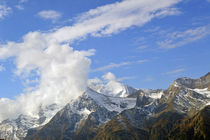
{"points": [[143, 43]]}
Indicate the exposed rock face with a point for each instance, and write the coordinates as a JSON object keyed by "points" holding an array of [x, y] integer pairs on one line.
{"points": [[145, 114], [81, 118], [142, 100], [170, 125], [201, 83], [89, 127], [17, 129], [154, 94], [120, 128], [167, 117]]}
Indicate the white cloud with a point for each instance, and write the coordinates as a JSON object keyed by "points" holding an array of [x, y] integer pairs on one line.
{"points": [[94, 81], [117, 65], [109, 76], [178, 39], [23, 1], [63, 71], [4, 11], [50, 14], [126, 78], [111, 66], [208, 0], [148, 79], [141, 47], [142, 61], [19, 7], [2, 68], [20, 4], [112, 18], [112, 86], [175, 71], [98, 84], [153, 29], [109, 85]]}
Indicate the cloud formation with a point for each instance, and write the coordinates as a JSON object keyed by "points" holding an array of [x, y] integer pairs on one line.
{"points": [[19, 7], [148, 79], [23, 1], [109, 85], [59, 71], [117, 65], [181, 38], [50, 14], [116, 17], [4, 11], [111, 66], [2, 68], [175, 71], [142, 61]]}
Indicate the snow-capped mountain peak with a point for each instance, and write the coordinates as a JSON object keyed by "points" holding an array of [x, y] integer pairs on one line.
{"points": [[16, 129], [101, 102], [112, 88]]}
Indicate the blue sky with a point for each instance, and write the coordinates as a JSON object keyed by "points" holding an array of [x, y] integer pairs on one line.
{"points": [[144, 48]]}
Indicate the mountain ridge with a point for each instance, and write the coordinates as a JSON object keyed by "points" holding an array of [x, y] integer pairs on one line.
{"points": [[93, 114]]}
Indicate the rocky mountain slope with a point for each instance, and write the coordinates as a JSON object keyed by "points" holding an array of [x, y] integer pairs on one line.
{"points": [[17, 129], [181, 113], [169, 125], [141, 114], [82, 117], [194, 128]]}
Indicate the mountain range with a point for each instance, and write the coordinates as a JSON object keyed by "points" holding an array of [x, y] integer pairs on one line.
{"points": [[119, 112]]}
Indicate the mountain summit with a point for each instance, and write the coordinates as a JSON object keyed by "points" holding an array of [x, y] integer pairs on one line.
{"points": [[141, 114]]}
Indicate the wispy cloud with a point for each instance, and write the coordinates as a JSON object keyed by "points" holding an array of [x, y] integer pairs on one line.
{"points": [[142, 61], [50, 15], [153, 29], [19, 7], [111, 77], [148, 79], [23, 1], [111, 66], [117, 65], [175, 71], [142, 47], [181, 38], [38, 52], [4, 11], [126, 78], [2, 68], [113, 18], [20, 4]]}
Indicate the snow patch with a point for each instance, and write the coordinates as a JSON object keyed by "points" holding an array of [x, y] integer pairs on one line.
{"points": [[117, 104], [204, 91]]}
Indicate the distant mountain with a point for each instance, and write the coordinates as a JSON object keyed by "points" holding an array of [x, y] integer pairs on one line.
{"points": [[17, 129], [127, 113]]}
